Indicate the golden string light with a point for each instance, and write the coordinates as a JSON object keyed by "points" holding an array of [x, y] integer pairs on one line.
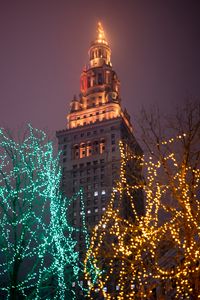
{"points": [[133, 258]]}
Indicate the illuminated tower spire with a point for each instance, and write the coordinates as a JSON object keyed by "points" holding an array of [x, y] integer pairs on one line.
{"points": [[100, 98], [101, 33], [100, 51]]}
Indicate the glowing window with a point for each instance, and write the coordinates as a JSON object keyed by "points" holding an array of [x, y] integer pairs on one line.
{"points": [[103, 192], [95, 193]]}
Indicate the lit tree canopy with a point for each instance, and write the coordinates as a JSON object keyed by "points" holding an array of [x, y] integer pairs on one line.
{"points": [[37, 247], [159, 252]]}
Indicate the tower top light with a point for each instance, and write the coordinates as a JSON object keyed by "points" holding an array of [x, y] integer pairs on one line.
{"points": [[101, 34]]}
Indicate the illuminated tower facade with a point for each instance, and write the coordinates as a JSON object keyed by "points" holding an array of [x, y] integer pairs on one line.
{"points": [[95, 125]]}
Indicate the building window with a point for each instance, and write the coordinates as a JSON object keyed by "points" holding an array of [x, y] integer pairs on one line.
{"points": [[96, 193], [89, 149], [100, 78], [96, 210], [102, 146], [75, 151], [88, 82], [89, 211], [103, 192], [103, 198]]}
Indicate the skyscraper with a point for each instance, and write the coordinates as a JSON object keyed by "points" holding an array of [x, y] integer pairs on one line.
{"points": [[90, 143]]}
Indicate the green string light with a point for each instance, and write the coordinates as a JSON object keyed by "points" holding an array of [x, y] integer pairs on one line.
{"points": [[38, 256]]}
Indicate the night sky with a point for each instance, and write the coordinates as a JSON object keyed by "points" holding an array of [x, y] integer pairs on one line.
{"points": [[44, 45]]}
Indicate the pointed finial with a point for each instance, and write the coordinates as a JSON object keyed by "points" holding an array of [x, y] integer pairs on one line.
{"points": [[101, 33], [101, 38]]}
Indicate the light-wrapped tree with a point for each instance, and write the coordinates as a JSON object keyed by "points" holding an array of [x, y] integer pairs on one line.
{"points": [[157, 253], [38, 259]]}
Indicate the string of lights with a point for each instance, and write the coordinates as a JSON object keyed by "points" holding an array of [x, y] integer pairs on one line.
{"points": [[37, 244], [135, 258]]}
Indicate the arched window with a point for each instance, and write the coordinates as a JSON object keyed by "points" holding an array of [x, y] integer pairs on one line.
{"points": [[82, 150], [102, 146], [89, 149], [75, 151], [95, 147], [100, 78], [100, 53]]}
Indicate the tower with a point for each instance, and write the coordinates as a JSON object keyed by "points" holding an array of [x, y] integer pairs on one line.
{"points": [[96, 123]]}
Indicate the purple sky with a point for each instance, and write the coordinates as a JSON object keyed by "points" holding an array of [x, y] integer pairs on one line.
{"points": [[44, 45]]}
